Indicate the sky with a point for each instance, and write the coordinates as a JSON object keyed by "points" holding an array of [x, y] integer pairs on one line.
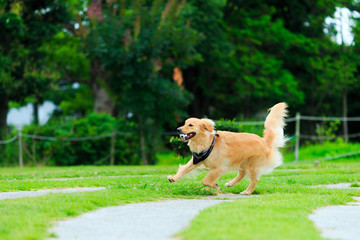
{"points": [[24, 115], [343, 22]]}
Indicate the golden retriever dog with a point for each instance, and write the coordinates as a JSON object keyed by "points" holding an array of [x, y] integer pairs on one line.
{"points": [[224, 151]]}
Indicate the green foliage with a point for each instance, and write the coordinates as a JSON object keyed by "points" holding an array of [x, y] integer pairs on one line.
{"points": [[268, 56], [237, 58], [74, 102], [139, 47], [24, 27], [180, 148], [9, 153], [228, 125], [327, 129], [96, 151]]}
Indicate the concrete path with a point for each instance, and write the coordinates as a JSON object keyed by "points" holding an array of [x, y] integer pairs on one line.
{"points": [[21, 194], [338, 186], [338, 222], [150, 221], [161, 220]]}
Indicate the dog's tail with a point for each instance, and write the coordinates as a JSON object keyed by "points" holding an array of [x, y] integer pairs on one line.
{"points": [[274, 132]]}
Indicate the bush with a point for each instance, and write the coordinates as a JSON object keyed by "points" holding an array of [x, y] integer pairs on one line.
{"points": [[9, 153], [62, 152], [228, 125]]}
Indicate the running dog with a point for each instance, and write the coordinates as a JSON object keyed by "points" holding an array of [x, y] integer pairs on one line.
{"points": [[224, 151]]}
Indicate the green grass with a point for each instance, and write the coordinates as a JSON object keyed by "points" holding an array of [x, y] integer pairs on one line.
{"points": [[276, 216], [80, 171], [326, 149], [283, 199], [170, 158]]}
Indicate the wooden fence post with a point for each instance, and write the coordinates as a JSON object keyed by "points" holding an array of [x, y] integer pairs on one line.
{"points": [[297, 136], [112, 148], [20, 150]]}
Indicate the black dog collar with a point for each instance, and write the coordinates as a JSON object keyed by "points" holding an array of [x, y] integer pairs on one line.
{"points": [[198, 157]]}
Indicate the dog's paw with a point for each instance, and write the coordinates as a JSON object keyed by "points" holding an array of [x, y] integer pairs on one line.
{"points": [[245, 193], [171, 178], [228, 184], [212, 185]]}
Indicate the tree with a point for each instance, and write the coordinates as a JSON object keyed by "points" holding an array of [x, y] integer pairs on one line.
{"points": [[133, 49], [153, 46], [207, 78], [270, 51], [25, 25], [242, 66]]}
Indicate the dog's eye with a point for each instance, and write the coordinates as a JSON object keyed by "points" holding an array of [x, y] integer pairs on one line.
{"points": [[190, 125]]}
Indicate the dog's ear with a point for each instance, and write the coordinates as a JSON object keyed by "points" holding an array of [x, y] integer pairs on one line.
{"points": [[207, 124]]}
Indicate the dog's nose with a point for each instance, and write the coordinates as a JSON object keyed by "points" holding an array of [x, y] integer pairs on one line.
{"points": [[179, 130]]}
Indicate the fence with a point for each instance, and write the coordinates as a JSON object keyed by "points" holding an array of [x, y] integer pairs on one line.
{"points": [[297, 136], [20, 136], [346, 136]]}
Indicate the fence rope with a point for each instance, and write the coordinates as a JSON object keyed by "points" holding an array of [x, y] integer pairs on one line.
{"points": [[75, 139], [254, 123], [344, 119], [9, 140], [353, 135], [308, 118], [38, 137], [343, 155]]}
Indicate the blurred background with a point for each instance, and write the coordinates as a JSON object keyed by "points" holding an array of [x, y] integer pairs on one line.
{"points": [[107, 82]]}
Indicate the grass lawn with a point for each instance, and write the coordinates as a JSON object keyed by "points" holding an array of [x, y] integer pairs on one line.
{"points": [[279, 211]]}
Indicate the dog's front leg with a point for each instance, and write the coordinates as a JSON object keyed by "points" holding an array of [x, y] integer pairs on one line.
{"points": [[211, 177], [183, 170]]}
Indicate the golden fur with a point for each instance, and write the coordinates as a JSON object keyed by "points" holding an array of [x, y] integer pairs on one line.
{"points": [[248, 153]]}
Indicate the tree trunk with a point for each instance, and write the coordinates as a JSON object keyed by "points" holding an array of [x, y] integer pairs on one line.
{"points": [[4, 109], [345, 123], [102, 100], [36, 112], [144, 158], [99, 78]]}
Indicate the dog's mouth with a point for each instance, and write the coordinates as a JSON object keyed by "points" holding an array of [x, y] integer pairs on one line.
{"points": [[186, 137]]}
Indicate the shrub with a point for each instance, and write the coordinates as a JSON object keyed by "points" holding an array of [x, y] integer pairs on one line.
{"points": [[62, 151], [9, 153]]}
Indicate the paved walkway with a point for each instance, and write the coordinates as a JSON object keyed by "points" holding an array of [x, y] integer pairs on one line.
{"points": [[161, 220], [338, 222], [21, 194], [150, 221], [338, 186]]}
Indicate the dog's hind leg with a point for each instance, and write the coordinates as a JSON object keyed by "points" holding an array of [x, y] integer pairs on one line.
{"points": [[211, 177], [237, 179], [183, 170], [254, 179]]}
